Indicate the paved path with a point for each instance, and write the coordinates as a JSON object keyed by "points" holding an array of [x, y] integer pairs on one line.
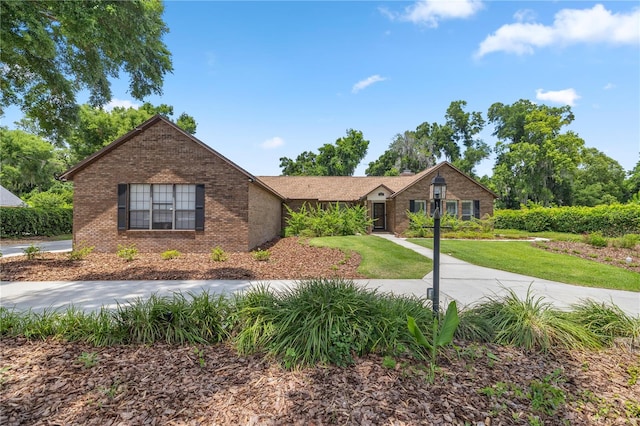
{"points": [[7, 249], [460, 281]]}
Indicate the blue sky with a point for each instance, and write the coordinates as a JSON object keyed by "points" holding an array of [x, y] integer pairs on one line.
{"points": [[271, 79]]}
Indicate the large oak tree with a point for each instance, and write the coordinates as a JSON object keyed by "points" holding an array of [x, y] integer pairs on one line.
{"points": [[51, 50]]}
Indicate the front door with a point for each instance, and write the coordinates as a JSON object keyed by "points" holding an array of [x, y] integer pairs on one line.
{"points": [[379, 216]]}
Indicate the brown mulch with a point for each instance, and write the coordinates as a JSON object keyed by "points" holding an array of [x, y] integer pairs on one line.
{"points": [[48, 383], [614, 256], [291, 258]]}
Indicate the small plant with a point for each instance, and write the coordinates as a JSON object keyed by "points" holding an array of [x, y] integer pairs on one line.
{"points": [[634, 372], [127, 253], [88, 359], [545, 396], [3, 375], [200, 354], [170, 254], [441, 336], [389, 362], [32, 251], [596, 239], [289, 358], [261, 255], [218, 255], [80, 252]]}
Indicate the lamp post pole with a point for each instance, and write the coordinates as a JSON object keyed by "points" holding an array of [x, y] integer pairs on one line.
{"points": [[436, 258]]}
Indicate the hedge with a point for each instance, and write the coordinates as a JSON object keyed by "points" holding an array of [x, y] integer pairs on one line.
{"points": [[612, 220], [25, 221]]}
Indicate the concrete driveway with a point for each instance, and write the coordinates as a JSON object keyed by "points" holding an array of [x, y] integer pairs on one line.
{"points": [[8, 249], [460, 281]]}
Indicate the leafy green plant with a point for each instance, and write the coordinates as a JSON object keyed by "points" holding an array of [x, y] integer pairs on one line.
{"points": [[170, 254], [441, 334], [334, 219], [80, 252], [389, 362], [596, 239], [218, 254], [634, 372], [199, 353], [127, 253], [88, 359], [545, 396], [261, 255], [627, 241], [32, 251]]}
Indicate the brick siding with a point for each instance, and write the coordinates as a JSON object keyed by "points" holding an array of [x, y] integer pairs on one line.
{"points": [[162, 154]]}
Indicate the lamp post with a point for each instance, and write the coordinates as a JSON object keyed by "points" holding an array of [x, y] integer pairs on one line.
{"points": [[438, 192]]}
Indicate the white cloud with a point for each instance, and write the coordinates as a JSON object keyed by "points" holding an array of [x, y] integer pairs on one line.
{"points": [[524, 15], [609, 86], [570, 26], [272, 143], [431, 12], [366, 83], [123, 103], [564, 97]]}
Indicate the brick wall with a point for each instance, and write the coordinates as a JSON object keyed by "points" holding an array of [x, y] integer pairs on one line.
{"points": [[264, 216], [459, 187], [162, 154]]}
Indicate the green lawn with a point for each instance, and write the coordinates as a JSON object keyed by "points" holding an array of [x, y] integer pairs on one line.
{"points": [[380, 258], [522, 258]]}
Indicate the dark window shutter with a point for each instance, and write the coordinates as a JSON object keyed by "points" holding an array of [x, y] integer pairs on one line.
{"points": [[476, 209], [412, 206], [122, 206], [200, 207]]}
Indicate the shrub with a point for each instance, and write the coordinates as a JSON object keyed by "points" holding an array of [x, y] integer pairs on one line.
{"points": [[334, 220], [32, 251], [607, 321], [218, 255], [25, 221], [127, 253], [596, 239], [80, 252], [261, 255], [628, 241], [170, 254]]}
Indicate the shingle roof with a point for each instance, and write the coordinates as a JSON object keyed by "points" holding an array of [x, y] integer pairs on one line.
{"points": [[9, 199], [336, 188]]}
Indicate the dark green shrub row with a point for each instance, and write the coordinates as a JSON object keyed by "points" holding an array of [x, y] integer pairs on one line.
{"points": [[611, 220], [24, 221]]}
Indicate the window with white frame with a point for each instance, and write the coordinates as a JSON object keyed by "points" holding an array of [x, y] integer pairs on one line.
{"points": [[452, 208], [162, 206], [416, 206], [467, 210]]}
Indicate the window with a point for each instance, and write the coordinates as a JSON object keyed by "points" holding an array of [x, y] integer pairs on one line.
{"points": [[467, 210], [416, 206], [160, 206], [452, 208]]}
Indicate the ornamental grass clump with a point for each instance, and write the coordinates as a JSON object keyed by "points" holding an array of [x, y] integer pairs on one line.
{"points": [[607, 321], [325, 321], [533, 324]]}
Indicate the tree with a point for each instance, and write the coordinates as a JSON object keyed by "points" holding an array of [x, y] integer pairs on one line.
{"points": [[465, 127], [632, 183], [26, 162], [51, 50], [599, 179], [96, 128], [339, 159], [535, 160], [385, 165]]}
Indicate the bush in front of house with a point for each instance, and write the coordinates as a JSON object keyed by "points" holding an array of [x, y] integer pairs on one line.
{"points": [[16, 222], [335, 220], [611, 220], [421, 225]]}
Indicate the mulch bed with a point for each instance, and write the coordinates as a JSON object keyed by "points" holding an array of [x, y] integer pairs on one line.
{"points": [[291, 258], [48, 383]]}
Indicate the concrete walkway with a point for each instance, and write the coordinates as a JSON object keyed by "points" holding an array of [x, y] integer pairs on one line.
{"points": [[460, 281]]}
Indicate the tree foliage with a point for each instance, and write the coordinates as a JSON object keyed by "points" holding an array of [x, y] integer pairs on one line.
{"points": [[456, 141], [599, 180], [51, 50], [26, 162], [97, 128], [536, 161], [339, 159]]}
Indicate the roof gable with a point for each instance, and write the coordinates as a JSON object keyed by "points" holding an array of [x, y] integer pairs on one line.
{"points": [[9, 199], [156, 119]]}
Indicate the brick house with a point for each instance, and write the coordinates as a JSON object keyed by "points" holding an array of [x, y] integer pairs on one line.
{"points": [[160, 188]]}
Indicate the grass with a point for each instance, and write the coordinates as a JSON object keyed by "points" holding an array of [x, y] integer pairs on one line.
{"points": [[380, 258], [523, 258], [519, 234]]}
